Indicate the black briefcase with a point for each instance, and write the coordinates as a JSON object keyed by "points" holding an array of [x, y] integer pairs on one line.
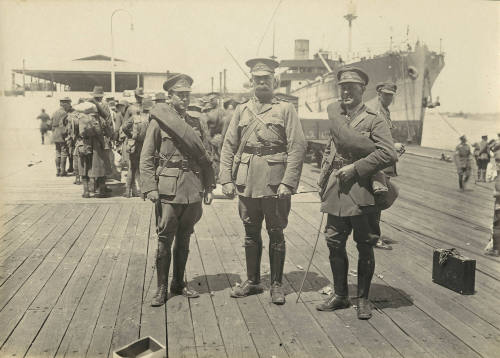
{"points": [[454, 271]]}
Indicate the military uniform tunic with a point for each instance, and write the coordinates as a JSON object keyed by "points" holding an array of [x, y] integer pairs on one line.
{"points": [[178, 180], [259, 176], [355, 197]]}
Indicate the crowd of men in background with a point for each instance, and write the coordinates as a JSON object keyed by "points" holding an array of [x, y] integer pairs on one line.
{"points": [[487, 170], [119, 126]]}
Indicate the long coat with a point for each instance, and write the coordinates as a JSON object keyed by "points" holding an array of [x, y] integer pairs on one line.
{"points": [[355, 197], [59, 123], [101, 161], [259, 176]]}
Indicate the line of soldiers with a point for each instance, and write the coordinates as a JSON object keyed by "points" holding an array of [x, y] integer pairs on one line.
{"points": [[261, 161]]}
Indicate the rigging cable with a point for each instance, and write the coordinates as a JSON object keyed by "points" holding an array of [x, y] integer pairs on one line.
{"points": [[267, 27]]}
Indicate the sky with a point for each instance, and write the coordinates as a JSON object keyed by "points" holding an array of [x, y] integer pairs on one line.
{"points": [[191, 36]]}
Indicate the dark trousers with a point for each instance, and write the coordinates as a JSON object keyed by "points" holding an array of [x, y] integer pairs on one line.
{"points": [[252, 212], [366, 232], [61, 155], [463, 176], [175, 224]]}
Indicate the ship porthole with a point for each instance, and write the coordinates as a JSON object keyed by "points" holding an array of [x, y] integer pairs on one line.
{"points": [[412, 72]]}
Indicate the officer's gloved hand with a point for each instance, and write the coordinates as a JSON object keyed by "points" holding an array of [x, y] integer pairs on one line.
{"points": [[346, 173], [284, 191], [153, 196], [228, 190], [208, 197]]}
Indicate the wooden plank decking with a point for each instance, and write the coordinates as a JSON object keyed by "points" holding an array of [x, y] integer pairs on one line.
{"points": [[77, 275]]}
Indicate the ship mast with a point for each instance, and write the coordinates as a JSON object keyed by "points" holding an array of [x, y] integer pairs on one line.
{"points": [[351, 15]]}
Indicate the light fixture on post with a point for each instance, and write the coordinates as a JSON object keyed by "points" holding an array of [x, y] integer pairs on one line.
{"points": [[112, 47]]}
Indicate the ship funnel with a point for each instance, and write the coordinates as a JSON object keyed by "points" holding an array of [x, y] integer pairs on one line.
{"points": [[301, 49]]}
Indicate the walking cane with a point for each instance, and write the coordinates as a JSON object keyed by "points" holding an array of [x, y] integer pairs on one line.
{"points": [[310, 260]]}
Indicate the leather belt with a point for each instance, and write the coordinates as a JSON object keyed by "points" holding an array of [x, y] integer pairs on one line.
{"points": [[260, 151], [181, 164]]}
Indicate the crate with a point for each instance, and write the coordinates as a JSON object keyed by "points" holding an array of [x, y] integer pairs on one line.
{"points": [[146, 347], [457, 273]]}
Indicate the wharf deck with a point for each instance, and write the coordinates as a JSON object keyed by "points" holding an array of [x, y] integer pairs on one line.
{"points": [[77, 275]]}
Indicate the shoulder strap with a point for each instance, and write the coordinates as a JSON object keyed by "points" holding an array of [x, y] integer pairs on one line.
{"points": [[258, 119], [244, 139]]}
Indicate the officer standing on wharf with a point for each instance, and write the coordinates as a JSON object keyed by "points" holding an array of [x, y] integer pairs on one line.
{"points": [[261, 161], [347, 197], [59, 133], [386, 92], [463, 159], [44, 124], [177, 186]]}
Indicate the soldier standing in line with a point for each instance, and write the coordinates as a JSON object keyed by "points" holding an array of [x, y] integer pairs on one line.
{"points": [[44, 124], [120, 137], [346, 194], [84, 125], [214, 117], [101, 145], [483, 159], [177, 185], [59, 133], [72, 141], [261, 161], [463, 160], [135, 130]]}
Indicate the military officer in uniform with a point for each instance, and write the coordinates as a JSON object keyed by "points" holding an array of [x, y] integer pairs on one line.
{"points": [[261, 162], [59, 133], [346, 194], [463, 160], [177, 185], [386, 92]]}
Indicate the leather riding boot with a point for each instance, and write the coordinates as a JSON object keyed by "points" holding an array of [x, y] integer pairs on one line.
{"points": [[92, 184], [58, 166], [253, 254], [163, 257], [63, 166], [277, 250], [483, 175], [366, 268], [85, 183], [179, 286], [70, 169], [77, 180], [101, 185], [339, 264]]}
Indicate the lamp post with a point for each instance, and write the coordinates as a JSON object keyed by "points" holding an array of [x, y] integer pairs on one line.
{"points": [[112, 47]]}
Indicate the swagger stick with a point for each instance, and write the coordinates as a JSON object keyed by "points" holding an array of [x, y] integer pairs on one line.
{"points": [[310, 260]]}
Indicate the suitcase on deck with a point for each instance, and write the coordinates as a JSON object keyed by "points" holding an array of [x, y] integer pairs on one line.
{"points": [[454, 271]]}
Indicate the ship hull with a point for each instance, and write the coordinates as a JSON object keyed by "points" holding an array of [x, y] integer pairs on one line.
{"points": [[414, 74]]}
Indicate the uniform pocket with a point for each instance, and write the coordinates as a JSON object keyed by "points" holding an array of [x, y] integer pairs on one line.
{"points": [[167, 181], [242, 172], [276, 168]]}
